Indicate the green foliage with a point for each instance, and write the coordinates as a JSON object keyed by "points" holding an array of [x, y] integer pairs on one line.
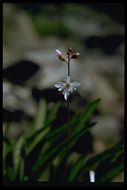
{"points": [[46, 26], [110, 160], [34, 157]]}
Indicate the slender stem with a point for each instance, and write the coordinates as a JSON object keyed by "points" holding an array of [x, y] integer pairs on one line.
{"points": [[68, 131], [68, 64], [68, 119]]}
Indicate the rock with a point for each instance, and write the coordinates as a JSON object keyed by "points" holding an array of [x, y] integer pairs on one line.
{"points": [[18, 32], [18, 98], [107, 129]]}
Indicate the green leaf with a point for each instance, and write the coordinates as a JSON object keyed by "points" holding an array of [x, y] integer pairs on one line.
{"points": [[76, 167], [17, 155], [89, 109], [49, 155], [7, 146], [34, 138], [7, 151], [46, 159], [99, 161], [110, 174], [40, 117], [53, 114], [41, 138]]}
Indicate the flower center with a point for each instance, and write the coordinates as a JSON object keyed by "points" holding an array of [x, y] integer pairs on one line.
{"points": [[67, 85]]}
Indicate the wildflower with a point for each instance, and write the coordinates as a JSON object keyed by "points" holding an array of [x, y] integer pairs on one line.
{"points": [[60, 55], [67, 86], [92, 176]]}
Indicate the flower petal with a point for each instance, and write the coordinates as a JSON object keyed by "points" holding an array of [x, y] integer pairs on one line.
{"points": [[66, 93], [70, 89], [58, 52], [60, 85], [75, 84], [65, 96], [60, 89]]}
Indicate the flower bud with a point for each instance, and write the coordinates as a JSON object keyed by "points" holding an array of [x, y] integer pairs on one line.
{"points": [[70, 50], [75, 55], [60, 55]]}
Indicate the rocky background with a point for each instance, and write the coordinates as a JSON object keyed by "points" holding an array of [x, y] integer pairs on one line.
{"points": [[32, 33]]}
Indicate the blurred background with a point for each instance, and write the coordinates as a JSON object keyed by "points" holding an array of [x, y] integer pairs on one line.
{"points": [[31, 34]]}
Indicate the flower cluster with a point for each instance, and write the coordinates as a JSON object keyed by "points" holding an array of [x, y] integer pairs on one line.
{"points": [[67, 86], [71, 54]]}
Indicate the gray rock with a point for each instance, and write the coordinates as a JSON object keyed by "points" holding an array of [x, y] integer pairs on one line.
{"points": [[107, 129], [18, 98]]}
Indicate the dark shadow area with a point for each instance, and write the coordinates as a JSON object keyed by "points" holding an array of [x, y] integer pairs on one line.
{"points": [[20, 72]]}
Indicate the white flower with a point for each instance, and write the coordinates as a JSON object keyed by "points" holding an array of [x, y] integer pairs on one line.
{"points": [[92, 176], [67, 87], [60, 55], [58, 52]]}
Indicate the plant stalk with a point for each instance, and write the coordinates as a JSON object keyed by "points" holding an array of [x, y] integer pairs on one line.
{"points": [[68, 120]]}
